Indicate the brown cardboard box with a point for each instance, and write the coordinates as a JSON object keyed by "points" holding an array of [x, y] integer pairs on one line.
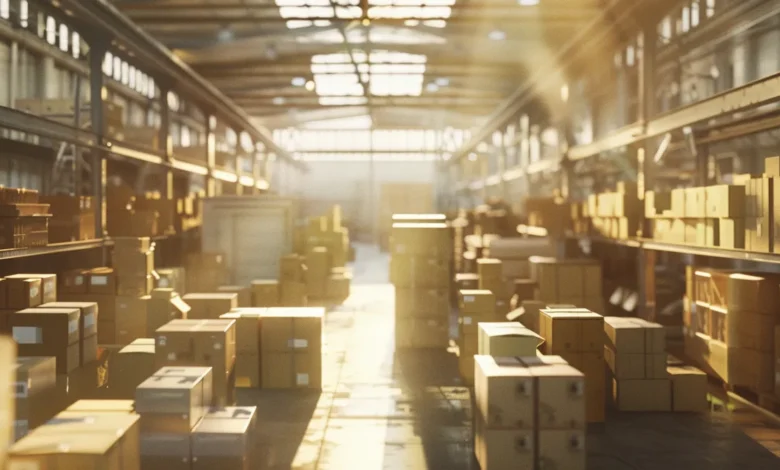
{"points": [[23, 293], [135, 285], [129, 367], [248, 370], [725, 201], [244, 294], [247, 328], [193, 343], [625, 365], [338, 286], [87, 325], [432, 239], [132, 244], [560, 390], [504, 392], [655, 366], [477, 303], [689, 389], [102, 281], [36, 393], [732, 233], [166, 451], [265, 293], [74, 281], [48, 285], [133, 263], [655, 336], [164, 305], [489, 268], [467, 349], [410, 302], [642, 394], [506, 339], [747, 293], [292, 268], [292, 294], [571, 331], [49, 332], [102, 406], [624, 335], [283, 370], [292, 329], [210, 306], [419, 271], [496, 448], [173, 403], [564, 449], [225, 439], [424, 333]]}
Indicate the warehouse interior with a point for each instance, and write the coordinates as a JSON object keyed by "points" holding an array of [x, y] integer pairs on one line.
{"points": [[389, 234]]}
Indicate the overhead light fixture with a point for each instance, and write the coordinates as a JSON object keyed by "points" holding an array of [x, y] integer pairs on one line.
{"points": [[432, 87], [412, 23], [366, 22], [278, 101], [442, 81], [472, 157], [527, 3], [497, 35], [310, 85], [298, 81]]}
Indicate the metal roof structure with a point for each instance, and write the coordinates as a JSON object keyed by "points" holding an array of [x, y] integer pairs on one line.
{"points": [[404, 63]]}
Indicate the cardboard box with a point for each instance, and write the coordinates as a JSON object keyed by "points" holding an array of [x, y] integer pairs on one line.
{"points": [[725, 201], [625, 365], [732, 233], [489, 268], [102, 406], [173, 403], [130, 367], [504, 392], [560, 390], [35, 388], [132, 244], [421, 302], [419, 271], [292, 329], [338, 286], [48, 285], [689, 389], [210, 306], [564, 449], [293, 294], [496, 448], [428, 239], [49, 332], [574, 330], [248, 370], [265, 293], [160, 451], [642, 394], [164, 305], [624, 335], [23, 292], [133, 263], [477, 303], [102, 281], [88, 323], [292, 268], [135, 285], [772, 167], [748, 293], [507, 339], [225, 439], [244, 294], [247, 328]]}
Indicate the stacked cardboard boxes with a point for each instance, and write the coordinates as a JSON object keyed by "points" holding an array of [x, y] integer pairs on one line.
{"points": [[163, 306], [247, 345], [577, 335], [292, 281], [420, 269], [73, 218], [291, 348], [507, 339], [201, 343], [129, 367], [24, 221], [490, 272], [548, 212], [88, 327], [170, 404], [244, 294], [210, 306], [37, 395], [730, 324], [49, 332], [327, 231], [530, 413], [226, 439], [339, 283], [318, 270], [636, 355], [172, 278], [617, 214], [575, 281], [474, 306], [205, 272], [265, 293]]}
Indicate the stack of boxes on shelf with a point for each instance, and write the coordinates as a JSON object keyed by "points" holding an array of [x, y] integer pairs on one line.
{"points": [[201, 343], [490, 272], [582, 217], [570, 282], [153, 203], [123, 220], [577, 335], [731, 327], [474, 306], [291, 348], [530, 412], [420, 269], [617, 215], [73, 218], [292, 281], [549, 212], [24, 220]]}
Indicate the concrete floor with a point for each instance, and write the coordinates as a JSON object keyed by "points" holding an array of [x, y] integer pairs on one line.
{"points": [[380, 410]]}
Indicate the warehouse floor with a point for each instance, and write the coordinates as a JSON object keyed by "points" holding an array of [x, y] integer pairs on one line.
{"points": [[378, 410]]}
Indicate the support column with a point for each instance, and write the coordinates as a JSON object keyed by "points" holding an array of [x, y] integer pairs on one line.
{"points": [[646, 169], [165, 142], [211, 143], [96, 53]]}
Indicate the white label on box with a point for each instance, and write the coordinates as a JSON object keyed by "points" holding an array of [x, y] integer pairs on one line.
{"points": [[34, 292], [468, 298], [73, 326], [89, 320], [218, 346], [467, 320], [99, 280], [301, 379], [300, 343], [163, 282], [78, 280], [48, 287], [27, 335], [161, 340], [171, 356]]}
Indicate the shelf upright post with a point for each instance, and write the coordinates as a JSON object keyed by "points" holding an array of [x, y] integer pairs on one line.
{"points": [[211, 145], [98, 48], [236, 152], [164, 137], [646, 165]]}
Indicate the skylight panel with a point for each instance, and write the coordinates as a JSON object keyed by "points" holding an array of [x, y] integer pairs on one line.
{"points": [[297, 24], [342, 100]]}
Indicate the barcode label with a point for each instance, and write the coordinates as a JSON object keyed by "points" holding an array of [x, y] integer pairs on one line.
{"points": [[89, 320], [467, 320], [34, 292], [99, 280], [468, 298], [300, 343], [27, 334], [73, 326], [21, 389], [302, 379]]}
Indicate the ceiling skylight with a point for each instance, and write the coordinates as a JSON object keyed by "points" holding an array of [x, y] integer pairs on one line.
{"points": [[433, 12], [387, 73]]}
